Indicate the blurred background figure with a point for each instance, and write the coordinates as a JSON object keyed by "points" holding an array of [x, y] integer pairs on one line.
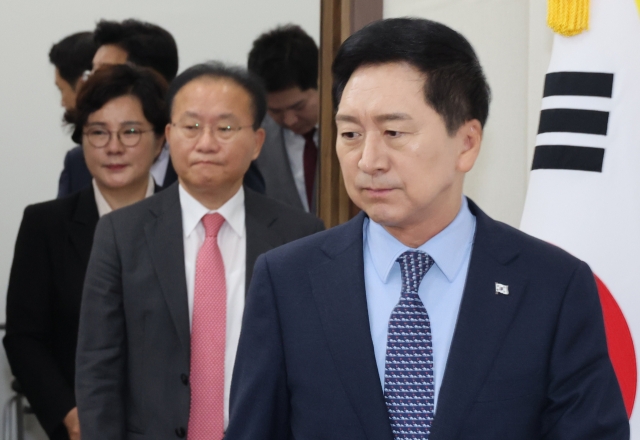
{"points": [[120, 119], [286, 59], [71, 56], [143, 44]]}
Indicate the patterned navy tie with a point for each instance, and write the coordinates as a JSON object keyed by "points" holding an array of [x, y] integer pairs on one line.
{"points": [[408, 377]]}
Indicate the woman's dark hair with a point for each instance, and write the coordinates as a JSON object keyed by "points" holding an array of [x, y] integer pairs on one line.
{"points": [[113, 81], [146, 44], [454, 86], [214, 69], [285, 57], [73, 55]]}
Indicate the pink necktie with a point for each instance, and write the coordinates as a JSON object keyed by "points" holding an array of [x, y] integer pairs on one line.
{"points": [[208, 336]]}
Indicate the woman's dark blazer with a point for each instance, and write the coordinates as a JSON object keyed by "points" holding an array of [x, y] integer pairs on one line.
{"points": [[43, 303]]}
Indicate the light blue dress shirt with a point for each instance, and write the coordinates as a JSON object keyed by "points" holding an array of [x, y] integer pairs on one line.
{"points": [[440, 291]]}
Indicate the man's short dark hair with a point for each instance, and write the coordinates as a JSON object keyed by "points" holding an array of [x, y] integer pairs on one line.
{"points": [[455, 85], [72, 56], [113, 81], [214, 69], [146, 44], [285, 57]]}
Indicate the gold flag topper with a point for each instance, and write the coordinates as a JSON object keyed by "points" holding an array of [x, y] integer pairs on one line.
{"points": [[568, 17]]}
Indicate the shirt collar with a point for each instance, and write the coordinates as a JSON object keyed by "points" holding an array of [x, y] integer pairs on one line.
{"points": [[102, 204], [193, 211], [448, 248]]}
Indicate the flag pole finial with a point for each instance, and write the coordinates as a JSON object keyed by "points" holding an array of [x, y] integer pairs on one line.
{"points": [[568, 17]]}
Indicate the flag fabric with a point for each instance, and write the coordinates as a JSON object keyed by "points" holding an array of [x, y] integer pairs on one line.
{"points": [[584, 187]]}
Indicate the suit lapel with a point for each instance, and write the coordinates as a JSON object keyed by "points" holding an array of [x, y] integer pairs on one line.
{"points": [[339, 293], [165, 239], [260, 239], [483, 321], [83, 223]]}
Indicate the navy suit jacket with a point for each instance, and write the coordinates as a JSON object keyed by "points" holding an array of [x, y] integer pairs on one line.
{"points": [[75, 175], [532, 364]]}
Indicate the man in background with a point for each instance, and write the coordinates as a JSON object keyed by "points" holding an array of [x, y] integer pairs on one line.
{"points": [[165, 287], [140, 43], [71, 56], [286, 59]]}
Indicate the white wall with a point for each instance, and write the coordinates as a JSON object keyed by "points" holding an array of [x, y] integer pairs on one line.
{"points": [[514, 46], [32, 141]]}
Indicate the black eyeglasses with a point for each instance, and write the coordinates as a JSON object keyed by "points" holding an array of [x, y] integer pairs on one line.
{"points": [[222, 132]]}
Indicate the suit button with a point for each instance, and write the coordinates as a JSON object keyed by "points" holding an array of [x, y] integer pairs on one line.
{"points": [[185, 379], [180, 432]]}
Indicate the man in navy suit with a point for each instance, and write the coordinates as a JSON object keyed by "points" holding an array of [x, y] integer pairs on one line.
{"points": [[421, 318]]}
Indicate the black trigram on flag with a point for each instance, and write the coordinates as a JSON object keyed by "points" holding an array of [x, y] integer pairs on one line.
{"points": [[573, 125]]}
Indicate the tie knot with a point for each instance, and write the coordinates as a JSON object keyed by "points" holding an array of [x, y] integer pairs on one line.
{"points": [[212, 224], [414, 265]]}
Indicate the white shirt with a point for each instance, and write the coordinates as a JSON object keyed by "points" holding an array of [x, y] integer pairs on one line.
{"points": [[159, 167], [232, 241], [294, 143], [103, 205]]}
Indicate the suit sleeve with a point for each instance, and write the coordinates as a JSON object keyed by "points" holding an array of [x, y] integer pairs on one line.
{"points": [[29, 327], [101, 353], [584, 398], [259, 406]]}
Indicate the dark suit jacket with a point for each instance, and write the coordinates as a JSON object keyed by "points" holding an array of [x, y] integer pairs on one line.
{"points": [[134, 343], [75, 174], [273, 165], [529, 365], [43, 303]]}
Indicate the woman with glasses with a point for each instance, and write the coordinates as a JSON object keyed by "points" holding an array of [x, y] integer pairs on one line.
{"points": [[119, 119]]}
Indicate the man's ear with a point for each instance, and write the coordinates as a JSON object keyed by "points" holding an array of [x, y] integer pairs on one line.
{"points": [[470, 135]]}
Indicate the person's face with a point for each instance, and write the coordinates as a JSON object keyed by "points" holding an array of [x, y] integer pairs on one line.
{"points": [[205, 162], [67, 92], [109, 54], [294, 109], [115, 165], [399, 163]]}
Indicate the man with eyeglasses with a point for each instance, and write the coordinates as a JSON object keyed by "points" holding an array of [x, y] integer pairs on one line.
{"points": [[286, 59], [421, 318], [168, 276]]}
